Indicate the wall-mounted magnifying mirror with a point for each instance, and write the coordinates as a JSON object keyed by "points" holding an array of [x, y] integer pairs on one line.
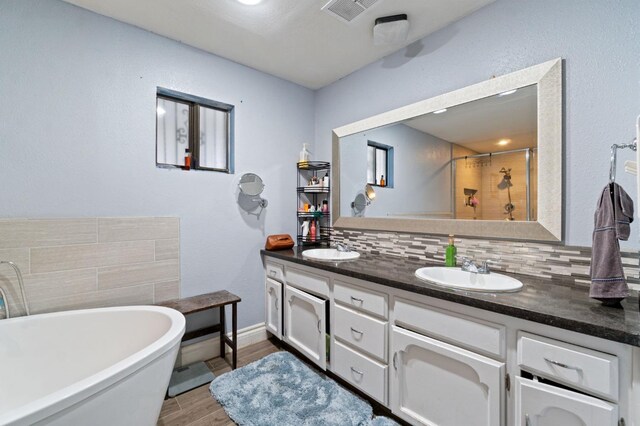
{"points": [[362, 200], [249, 200]]}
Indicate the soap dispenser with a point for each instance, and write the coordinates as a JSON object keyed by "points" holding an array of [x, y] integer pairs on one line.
{"points": [[450, 253]]}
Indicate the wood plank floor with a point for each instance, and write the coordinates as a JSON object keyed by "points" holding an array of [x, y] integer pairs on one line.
{"points": [[197, 407]]}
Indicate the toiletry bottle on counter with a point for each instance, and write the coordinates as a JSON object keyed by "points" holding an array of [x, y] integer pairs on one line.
{"points": [[312, 230], [382, 181], [450, 253]]}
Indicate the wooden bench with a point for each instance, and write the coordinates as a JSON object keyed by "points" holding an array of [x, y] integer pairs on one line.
{"points": [[218, 299]]}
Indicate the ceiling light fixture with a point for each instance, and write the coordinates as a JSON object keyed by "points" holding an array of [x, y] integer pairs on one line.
{"points": [[390, 30], [250, 2], [508, 92], [504, 142], [440, 111]]}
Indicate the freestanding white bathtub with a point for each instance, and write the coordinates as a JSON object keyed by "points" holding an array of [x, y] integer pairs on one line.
{"points": [[108, 366]]}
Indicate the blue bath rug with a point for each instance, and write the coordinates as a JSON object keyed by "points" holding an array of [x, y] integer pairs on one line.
{"points": [[281, 390]]}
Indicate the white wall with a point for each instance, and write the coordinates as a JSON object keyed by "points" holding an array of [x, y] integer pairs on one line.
{"points": [[77, 138], [422, 172], [599, 40]]}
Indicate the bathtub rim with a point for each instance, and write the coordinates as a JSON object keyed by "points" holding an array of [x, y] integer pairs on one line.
{"points": [[68, 396]]}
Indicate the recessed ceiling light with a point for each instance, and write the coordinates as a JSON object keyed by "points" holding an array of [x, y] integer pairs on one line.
{"points": [[440, 111], [504, 142], [250, 2], [508, 92]]}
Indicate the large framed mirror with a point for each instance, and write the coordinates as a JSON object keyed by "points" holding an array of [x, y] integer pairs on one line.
{"points": [[482, 161]]}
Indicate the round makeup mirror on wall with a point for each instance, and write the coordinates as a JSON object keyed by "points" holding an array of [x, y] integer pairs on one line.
{"points": [[249, 199]]}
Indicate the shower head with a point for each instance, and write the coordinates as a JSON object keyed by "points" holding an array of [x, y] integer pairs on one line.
{"points": [[506, 179]]}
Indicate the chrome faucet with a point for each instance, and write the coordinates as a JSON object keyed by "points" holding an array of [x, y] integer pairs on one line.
{"points": [[469, 265], [20, 284], [342, 247]]}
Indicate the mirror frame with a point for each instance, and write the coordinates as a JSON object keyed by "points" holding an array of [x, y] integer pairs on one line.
{"points": [[548, 227]]}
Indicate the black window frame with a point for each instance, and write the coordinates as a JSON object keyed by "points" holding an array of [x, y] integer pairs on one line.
{"points": [[193, 137], [388, 150]]}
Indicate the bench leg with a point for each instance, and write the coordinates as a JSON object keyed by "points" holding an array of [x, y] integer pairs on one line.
{"points": [[223, 331], [234, 331]]}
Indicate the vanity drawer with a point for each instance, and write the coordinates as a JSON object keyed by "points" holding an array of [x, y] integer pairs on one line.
{"points": [[575, 366], [468, 332], [360, 298], [313, 283], [274, 271], [361, 331], [362, 372]]}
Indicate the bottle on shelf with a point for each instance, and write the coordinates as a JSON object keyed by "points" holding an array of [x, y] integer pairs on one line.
{"points": [[187, 159], [382, 181], [312, 230]]}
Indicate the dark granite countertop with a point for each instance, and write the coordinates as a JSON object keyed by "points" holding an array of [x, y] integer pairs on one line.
{"points": [[553, 302]]}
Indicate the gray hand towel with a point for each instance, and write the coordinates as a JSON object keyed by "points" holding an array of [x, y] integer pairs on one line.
{"points": [[613, 216]]}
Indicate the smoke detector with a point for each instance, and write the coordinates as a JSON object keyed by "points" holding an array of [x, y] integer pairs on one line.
{"points": [[347, 10], [390, 30]]}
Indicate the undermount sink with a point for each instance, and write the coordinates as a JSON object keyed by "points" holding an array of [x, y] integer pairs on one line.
{"points": [[458, 279], [330, 255]]}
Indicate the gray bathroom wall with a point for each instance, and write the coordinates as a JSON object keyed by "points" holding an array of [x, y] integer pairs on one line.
{"points": [[599, 42], [77, 138], [421, 178]]}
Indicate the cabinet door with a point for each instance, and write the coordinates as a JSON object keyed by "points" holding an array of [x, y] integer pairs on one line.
{"points": [[437, 384], [305, 321], [273, 307], [538, 404]]}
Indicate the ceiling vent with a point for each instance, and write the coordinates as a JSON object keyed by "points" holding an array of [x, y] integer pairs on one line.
{"points": [[347, 10]]}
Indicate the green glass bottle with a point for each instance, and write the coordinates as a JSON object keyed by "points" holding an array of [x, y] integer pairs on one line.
{"points": [[450, 253]]}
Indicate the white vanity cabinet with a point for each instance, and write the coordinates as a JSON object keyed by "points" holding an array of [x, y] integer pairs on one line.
{"points": [[554, 365], [274, 283], [305, 324], [439, 363], [438, 383], [306, 298], [273, 307], [359, 337], [539, 404]]}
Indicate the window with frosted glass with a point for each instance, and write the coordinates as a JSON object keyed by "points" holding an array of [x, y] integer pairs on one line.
{"points": [[193, 132]]}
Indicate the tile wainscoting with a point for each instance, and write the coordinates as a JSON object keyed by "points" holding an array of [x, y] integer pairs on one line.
{"points": [[90, 262], [529, 258]]}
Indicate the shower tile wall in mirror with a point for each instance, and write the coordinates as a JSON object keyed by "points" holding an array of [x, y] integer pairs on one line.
{"points": [[475, 161]]}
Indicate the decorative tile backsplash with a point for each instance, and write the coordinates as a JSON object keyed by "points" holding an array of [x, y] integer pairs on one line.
{"points": [[90, 262], [529, 258]]}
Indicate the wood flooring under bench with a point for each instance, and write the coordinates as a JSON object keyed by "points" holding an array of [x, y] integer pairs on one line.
{"points": [[197, 407]]}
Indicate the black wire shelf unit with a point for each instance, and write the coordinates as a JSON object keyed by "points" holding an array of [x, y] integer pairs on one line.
{"points": [[313, 190]]}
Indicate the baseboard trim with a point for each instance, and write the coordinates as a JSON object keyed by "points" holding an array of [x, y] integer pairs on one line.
{"points": [[210, 347]]}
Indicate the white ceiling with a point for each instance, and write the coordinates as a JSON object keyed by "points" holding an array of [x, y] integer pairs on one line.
{"points": [[291, 39], [481, 124]]}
